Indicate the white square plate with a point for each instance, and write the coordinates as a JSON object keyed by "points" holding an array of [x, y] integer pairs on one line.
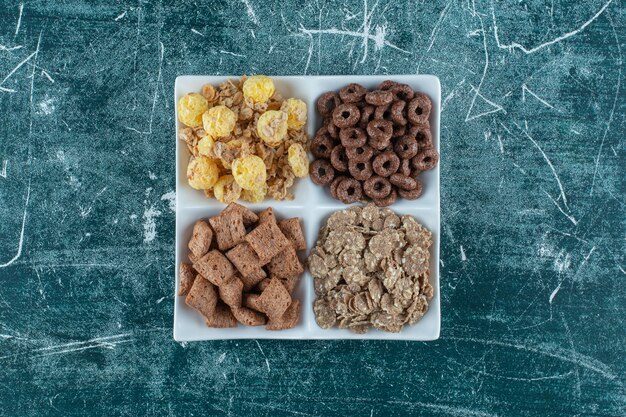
{"points": [[314, 205]]}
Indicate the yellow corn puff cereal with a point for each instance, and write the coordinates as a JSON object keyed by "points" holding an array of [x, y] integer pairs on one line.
{"points": [[226, 190], [272, 127], [255, 196], [191, 107], [258, 88], [219, 121], [205, 145], [249, 172], [202, 173], [298, 160], [296, 113]]}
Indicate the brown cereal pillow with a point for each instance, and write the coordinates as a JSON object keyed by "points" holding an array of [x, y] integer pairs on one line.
{"points": [[202, 296], [285, 264], [267, 215], [288, 320], [186, 276], [229, 229], [267, 241], [248, 216], [215, 267], [292, 229], [230, 291], [201, 238], [247, 263], [221, 318], [248, 316], [275, 299]]}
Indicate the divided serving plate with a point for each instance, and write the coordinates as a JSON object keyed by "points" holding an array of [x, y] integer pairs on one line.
{"points": [[313, 204]]}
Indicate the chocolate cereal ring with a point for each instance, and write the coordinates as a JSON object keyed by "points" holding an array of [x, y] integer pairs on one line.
{"points": [[377, 187], [418, 110], [383, 112], [332, 130], [321, 131], [398, 131], [352, 93], [402, 92], [425, 160], [379, 97], [397, 112], [360, 170], [327, 103], [349, 191], [411, 194], [387, 85], [386, 163], [352, 137], [405, 167], [403, 182], [361, 154], [406, 147], [422, 135], [387, 201], [321, 146], [322, 173], [339, 159], [334, 184], [367, 115], [346, 115], [380, 130]]}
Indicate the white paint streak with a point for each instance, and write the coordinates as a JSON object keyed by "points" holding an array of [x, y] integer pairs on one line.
{"points": [[10, 48], [556, 176], [477, 93], [231, 53], [550, 351], [149, 225], [250, 12], [434, 32], [608, 124], [570, 217], [556, 290], [28, 58], [525, 90], [170, 197], [267, 363], [515, 45], [19, 20], [21, 242]]}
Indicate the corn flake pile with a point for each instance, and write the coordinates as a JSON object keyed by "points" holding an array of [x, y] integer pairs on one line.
{"points": [[371, 269], [246, 141]]}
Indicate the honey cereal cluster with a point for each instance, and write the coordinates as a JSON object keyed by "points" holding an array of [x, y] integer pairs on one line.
{"points": [[244, 269], [373, 145], [371, 269], [246, 141]]}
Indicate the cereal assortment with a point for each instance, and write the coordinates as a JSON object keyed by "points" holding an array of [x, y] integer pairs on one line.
{"points": [[371, 269], [246, 141], [244, 269], [373, 144]]}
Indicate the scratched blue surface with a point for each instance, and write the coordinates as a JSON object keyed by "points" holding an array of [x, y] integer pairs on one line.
{"points": [[533, 219]]}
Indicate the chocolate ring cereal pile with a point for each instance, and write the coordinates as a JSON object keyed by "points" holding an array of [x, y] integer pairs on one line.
{"points": [[373, 144], [232, 256], [245, 140], [371, 268]]}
